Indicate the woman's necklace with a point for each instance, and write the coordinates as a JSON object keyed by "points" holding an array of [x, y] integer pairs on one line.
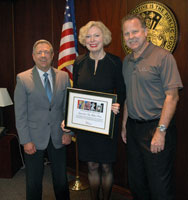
{"points": [[97, 59]]}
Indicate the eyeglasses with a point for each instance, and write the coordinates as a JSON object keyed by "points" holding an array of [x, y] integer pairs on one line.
{"points": [[43, 52]]}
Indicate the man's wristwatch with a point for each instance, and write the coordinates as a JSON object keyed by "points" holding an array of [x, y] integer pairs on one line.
{"points": [[162, 127]]}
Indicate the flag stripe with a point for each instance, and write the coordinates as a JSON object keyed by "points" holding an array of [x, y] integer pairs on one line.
{"points": [[68, 38], [67, 25], [67, 45], [66, 59], [68, 65], [67, 52], [67, 32]]}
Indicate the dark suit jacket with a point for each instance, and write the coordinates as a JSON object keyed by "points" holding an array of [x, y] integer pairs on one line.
{"points": [[36, 118]]}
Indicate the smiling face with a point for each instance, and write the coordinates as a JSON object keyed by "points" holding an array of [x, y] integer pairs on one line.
{"points": [[43, 55], [134, 35], [94, 40]]}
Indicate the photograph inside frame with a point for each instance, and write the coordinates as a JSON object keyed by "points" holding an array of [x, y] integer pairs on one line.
{"points": [[90, 111]]}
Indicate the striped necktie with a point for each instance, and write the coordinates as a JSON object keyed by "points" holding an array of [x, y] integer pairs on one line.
{"points": [[47, 86]]}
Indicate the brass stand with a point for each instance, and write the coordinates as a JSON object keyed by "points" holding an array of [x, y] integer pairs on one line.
{"points": [[77, 184]]}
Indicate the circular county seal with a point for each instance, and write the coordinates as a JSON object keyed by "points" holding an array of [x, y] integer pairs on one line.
{"points": [[161, 23]]}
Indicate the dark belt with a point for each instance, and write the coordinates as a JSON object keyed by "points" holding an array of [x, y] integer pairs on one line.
{"points": [[142, 121]]}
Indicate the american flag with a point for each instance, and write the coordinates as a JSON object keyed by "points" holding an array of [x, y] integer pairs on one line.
{"points": [[68, 44]]}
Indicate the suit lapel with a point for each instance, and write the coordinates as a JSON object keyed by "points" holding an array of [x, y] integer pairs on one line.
{"points": [[38, 82], [54, 77]]}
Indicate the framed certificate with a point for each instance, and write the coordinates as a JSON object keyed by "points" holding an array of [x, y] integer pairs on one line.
{"points": [[90, 111]]}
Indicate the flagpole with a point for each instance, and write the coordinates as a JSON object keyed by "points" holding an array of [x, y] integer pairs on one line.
{"points": [[67, 54], [78, 184]]}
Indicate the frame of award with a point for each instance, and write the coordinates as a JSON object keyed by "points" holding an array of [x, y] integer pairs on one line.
{"points": [[90, 111]]}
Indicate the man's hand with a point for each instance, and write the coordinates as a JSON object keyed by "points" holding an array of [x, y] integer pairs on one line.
{"points": [[169, 107], [29, 148], [124, 135], [63, 127], [158, 141], [66, 139]]}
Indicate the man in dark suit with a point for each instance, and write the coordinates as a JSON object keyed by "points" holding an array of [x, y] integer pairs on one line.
{"points": [[39, 114]]}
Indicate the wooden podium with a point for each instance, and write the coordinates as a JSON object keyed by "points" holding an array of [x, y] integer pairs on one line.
{"points": [[10, 158]]}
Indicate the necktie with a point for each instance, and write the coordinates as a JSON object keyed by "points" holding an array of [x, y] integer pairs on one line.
{"points": [[47, 86]]}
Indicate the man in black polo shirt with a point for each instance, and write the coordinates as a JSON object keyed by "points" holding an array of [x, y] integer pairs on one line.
{"points": [[152, 81]]}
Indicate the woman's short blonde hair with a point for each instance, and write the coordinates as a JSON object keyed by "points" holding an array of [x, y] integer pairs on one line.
{"points": [[105, 31]]}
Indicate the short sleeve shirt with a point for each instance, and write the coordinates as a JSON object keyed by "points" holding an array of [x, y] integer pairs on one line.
{"points": [[147, 78]]}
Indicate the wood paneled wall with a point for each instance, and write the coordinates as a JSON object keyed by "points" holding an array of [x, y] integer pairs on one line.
{"points": [[25, 21]]}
